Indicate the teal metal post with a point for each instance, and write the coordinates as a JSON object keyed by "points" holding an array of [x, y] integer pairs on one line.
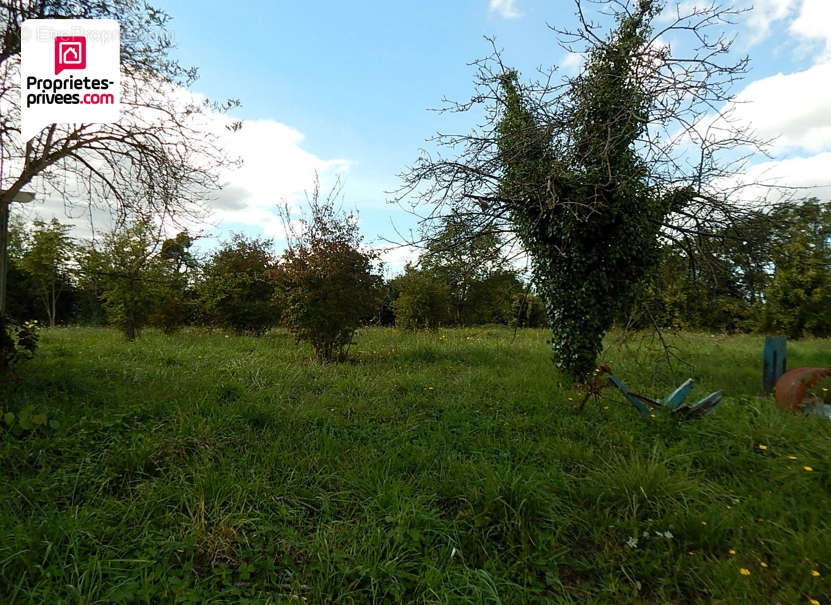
{"points": [[774, 361]]}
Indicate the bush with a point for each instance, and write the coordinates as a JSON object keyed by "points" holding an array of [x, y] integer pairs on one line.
{"points": [[237, 291], [17, 342], [326, 283]]}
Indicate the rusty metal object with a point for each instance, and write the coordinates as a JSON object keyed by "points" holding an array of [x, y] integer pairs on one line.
{"points": [[792, 386]]}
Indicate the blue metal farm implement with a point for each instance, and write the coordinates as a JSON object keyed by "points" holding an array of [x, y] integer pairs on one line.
{"points": [[674, 403]]}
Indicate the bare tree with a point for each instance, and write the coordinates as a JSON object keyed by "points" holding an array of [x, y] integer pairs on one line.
{"points": [[161, 158]]}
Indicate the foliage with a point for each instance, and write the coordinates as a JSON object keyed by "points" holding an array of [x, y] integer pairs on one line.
{"points": [[490, 299], [527, 311], [768, 272], [423, 301], [591, 236], [26, 422], [799, 294], [236, 291], [673, 297], [326, 281], [177, 267], [18, 342], [131, 280], [47, 260], [475, 269]]}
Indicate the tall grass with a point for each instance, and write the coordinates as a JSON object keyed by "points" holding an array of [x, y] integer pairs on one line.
{"points": [[440, 467]]}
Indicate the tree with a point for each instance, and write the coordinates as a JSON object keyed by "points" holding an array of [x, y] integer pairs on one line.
{"points": [[527, 311], [129, 272], [591, 174], [20, 302], [159, 159], [236, 290], [47, 261], [424, 300], [326, 281], [798, 298], [177, 299], [473, 265]]}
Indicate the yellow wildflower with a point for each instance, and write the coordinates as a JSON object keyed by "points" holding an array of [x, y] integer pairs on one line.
{"points": [[808, 468], [744, 571], [732, 551], [762, 447], [815, 573], [791, 457], [813, 601], [763, 564]]}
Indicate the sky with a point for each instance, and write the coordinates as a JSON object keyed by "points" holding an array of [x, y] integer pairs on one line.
{"points": [[346, 88]]}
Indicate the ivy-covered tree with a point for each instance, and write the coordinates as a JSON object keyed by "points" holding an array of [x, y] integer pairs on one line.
{"points": [[591, 174]]}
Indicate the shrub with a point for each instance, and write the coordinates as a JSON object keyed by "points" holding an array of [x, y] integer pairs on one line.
{"points": [[17, 342], [237, 291], [326, 283], [527, 310]]}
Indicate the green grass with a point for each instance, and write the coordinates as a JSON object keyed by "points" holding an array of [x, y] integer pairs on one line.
{"points": [[431, 468]]}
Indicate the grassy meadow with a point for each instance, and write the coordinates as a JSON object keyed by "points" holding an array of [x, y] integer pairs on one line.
{"points": [[440, 467]]}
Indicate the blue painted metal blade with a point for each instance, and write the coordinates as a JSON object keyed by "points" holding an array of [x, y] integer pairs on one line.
{"points": [[677, 397], [626, 393], [706, 405]]}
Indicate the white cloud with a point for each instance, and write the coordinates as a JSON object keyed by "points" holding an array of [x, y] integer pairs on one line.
{"points": [[505, 8], [813, 21], [794, 108], [275, 167], [395, 257], [764, 14], [572, 63], [778, 180]]}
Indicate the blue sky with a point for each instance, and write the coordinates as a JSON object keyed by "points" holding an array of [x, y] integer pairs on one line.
{"points": [[345, 87]]}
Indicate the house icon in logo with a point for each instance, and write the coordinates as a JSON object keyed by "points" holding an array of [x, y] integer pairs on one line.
{"points": [[70, 53]]}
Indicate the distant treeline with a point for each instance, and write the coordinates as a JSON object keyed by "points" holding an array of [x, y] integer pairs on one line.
{"points": [[769, 272]]}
